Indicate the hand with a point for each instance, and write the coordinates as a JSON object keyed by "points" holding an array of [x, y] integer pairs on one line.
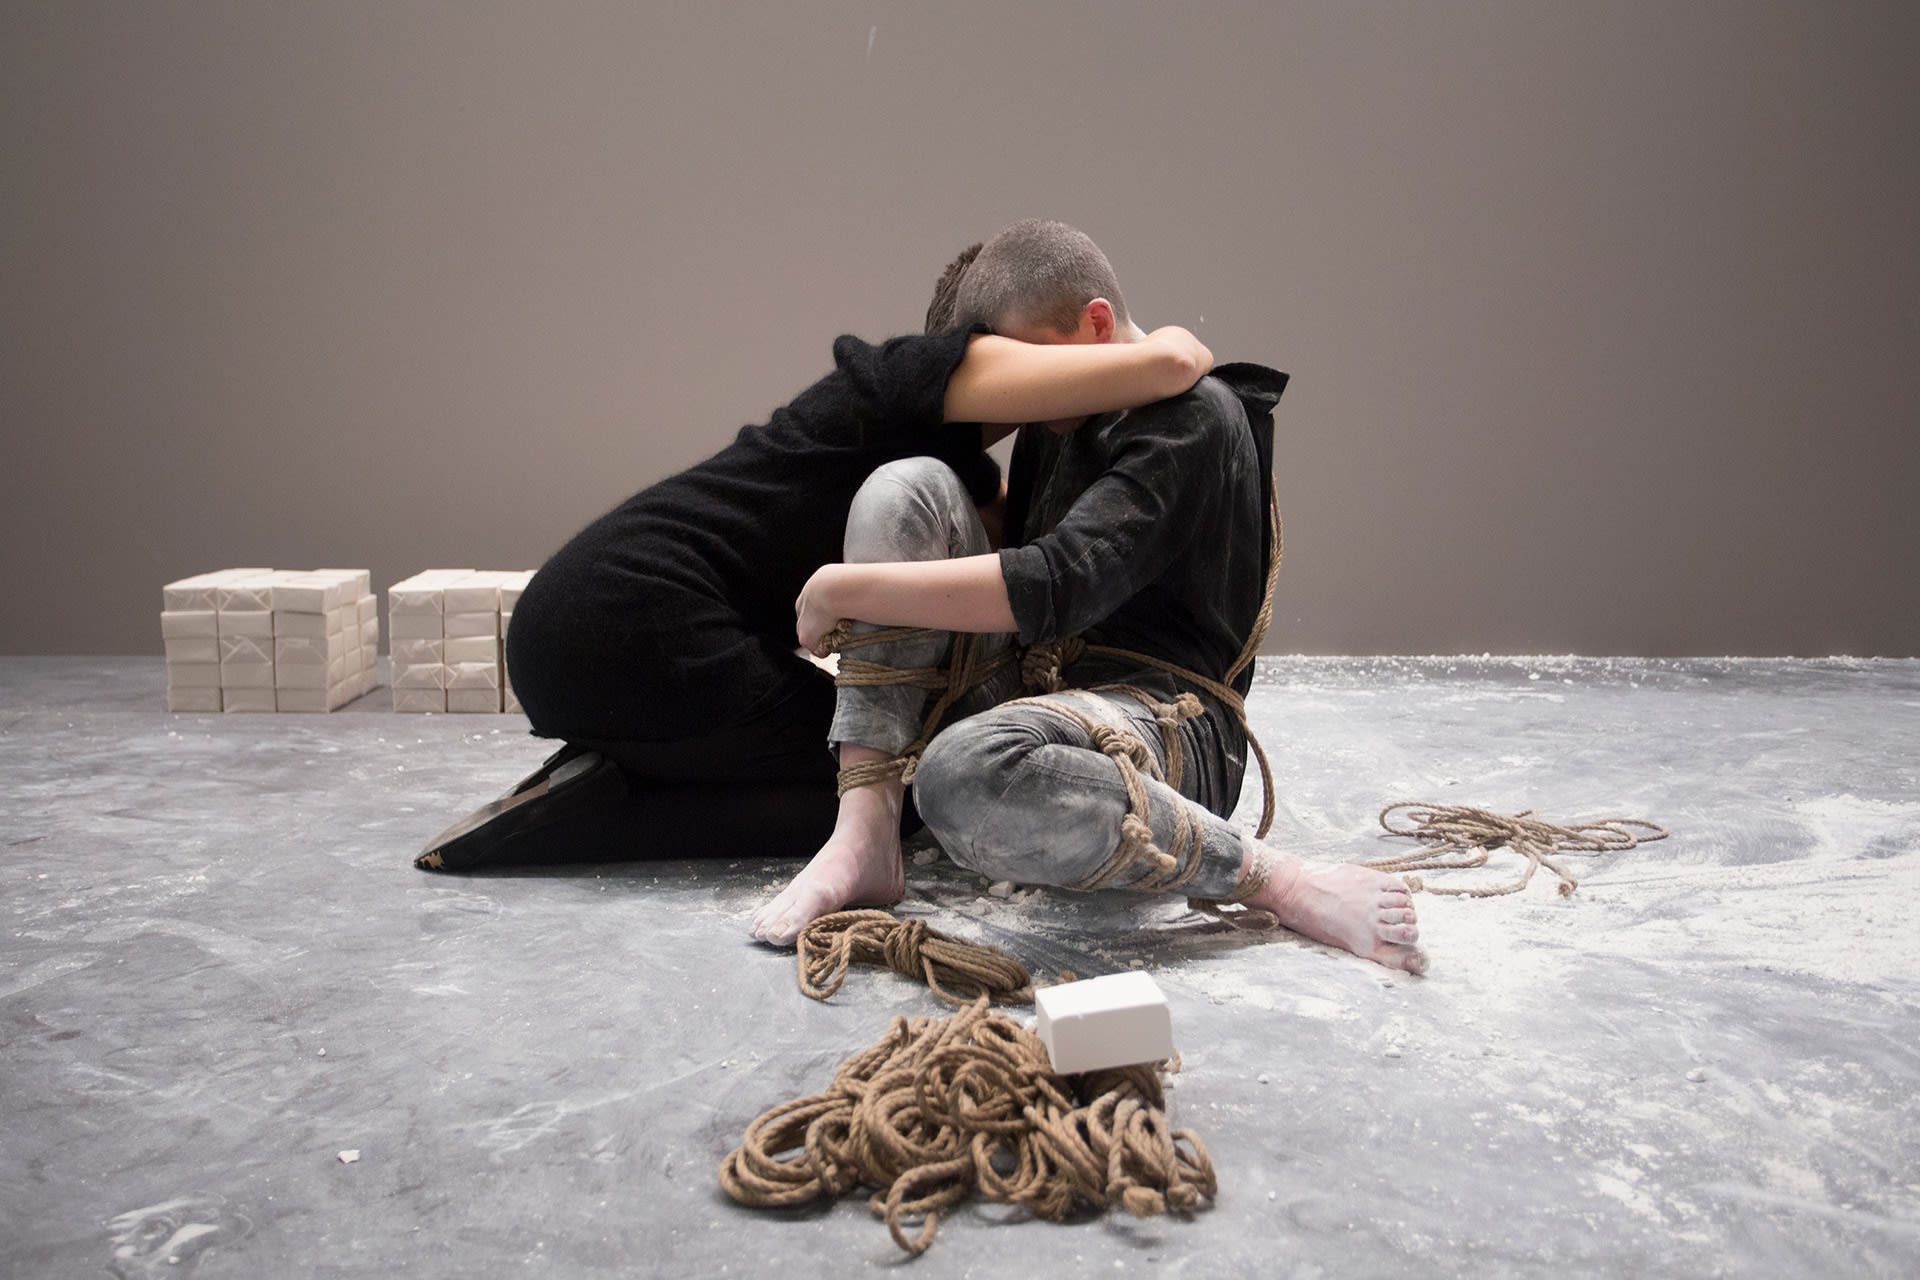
{"points": [[814, 615], [1188, 348]]}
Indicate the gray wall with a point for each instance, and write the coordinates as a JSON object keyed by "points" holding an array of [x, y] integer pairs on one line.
{"points": [[1603, 316]]}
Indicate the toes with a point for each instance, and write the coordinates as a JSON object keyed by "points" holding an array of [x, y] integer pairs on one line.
{"points": [[1406, 933], [1397, 915], [1411, 959]]}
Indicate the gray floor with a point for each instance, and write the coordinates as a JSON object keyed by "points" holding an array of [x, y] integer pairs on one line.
{"points": [[218, 971]]}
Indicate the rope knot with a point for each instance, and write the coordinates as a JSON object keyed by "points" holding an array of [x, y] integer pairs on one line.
{"points": [[1122, 744]]}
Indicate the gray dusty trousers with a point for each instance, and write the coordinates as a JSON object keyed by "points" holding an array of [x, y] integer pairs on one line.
{"points": [[1015, 792]]}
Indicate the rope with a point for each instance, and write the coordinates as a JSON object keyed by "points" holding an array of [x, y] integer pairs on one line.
{"points": [[939, 1108], [964, 672], [958, 971], [1460, 836]]}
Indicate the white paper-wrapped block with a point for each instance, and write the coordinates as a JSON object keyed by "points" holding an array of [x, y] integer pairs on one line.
{"points": [[370, 633], [506, 621], [473, 701], [415, 652], [302, 651], [415, 626], [245, 622], [511, 585], [202, 591], [344, 618], [192, 649], [369, 679], [300, 626], [368, 608], [509, 702], [359, 581], [1112, 1021], [319, 591], [419, 699], [473, 675], [477, 592], [471, 649], [248, 650], [308, 676], [246, 675], [248, 699], [248, 594], [193, 675], [192, 699], [422, 675], [186, 624], [424, 592], [471, 624]]}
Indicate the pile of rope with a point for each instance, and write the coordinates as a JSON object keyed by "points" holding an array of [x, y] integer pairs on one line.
{"points": [[957, 971], [1459, 836], [940, 1108]]}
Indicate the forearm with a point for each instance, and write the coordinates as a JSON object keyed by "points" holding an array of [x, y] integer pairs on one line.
{"points": [[967, 594], [1002, 380]]}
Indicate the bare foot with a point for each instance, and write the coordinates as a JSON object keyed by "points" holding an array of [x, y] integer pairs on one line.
{"points": [[858, 866], [1367, 912]]}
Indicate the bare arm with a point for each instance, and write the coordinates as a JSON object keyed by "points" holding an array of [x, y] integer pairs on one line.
{"points": [[967, 594], [1002, 380]]}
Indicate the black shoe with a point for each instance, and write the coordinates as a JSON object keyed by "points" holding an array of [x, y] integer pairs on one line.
{"points": [[561, 788], [567, 751]]}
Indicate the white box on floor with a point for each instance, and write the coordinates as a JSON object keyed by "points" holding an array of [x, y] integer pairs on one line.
{"points": [[471, 624], [419, 699], [247, 699], [473, 700], [192, 649], [310, 700], [193, 675], [1111, 1021], [471, 649], [179, 699], [182, 624]]}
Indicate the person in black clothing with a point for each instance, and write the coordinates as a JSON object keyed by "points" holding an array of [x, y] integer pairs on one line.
{"points": [[1142, 531], [658, 643]]}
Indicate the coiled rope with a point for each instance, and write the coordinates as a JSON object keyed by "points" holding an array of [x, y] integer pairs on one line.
{"points": [[956, 970], [1461, 836], [939, 1108]]}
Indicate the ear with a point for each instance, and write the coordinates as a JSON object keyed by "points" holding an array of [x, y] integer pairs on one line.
{"points": [[1096, 320]]}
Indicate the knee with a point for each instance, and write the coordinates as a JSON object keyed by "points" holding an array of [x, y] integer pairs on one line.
{"points": [[906, 510], [962, 776]]}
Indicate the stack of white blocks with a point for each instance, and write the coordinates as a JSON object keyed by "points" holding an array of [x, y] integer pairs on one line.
{"points": [[326, 637], [447, 627], [269, 640]]}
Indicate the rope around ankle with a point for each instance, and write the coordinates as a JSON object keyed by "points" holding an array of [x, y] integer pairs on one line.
{"points": [[939, 1108], [1460, 836], [956, 970], [963, 673]]}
